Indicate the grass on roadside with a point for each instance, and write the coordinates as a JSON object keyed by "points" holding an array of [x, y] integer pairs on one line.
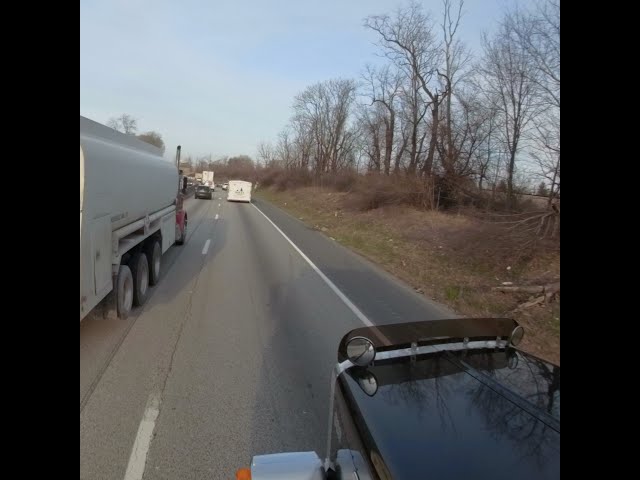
{"points": [[449, 258]]}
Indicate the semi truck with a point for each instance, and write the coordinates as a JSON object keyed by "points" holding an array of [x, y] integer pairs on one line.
{"points": [[131, 213], [207, 179]]}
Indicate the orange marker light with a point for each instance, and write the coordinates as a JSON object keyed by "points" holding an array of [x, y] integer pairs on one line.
{"points": [[243, 474]]}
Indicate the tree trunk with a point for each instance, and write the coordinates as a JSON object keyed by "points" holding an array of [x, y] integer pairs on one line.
{"points": [[512, 162], [389, 128], [427, 168]]}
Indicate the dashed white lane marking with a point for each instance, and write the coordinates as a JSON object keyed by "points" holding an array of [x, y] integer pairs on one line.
{"points": [[138, 458], [206, 247]]}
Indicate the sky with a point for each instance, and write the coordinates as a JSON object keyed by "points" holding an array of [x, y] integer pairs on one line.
{"points": [[218, 77]]}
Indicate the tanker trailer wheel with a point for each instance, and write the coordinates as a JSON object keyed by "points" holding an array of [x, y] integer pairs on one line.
{"points": [[124, 292], [154, 255], [140, 271]]}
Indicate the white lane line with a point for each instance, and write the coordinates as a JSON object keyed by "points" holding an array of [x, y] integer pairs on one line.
{"points": [[206, 247], [138, 458], [331, 285], [219, 205], [216, 216]]}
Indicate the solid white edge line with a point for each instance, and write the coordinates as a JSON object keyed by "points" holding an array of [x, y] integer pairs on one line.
{"points": [[138, 458], [206, 247], [331, 285]]}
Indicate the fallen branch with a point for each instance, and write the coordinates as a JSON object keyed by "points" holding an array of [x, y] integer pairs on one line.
{"points": [[532, 289], [548, 291], [551, 291], [532, 303]]}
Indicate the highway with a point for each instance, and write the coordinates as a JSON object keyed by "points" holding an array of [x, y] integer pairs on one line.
{"points": [[231, 355]]}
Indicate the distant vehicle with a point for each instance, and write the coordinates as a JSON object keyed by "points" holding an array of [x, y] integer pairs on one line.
{"points": [[225, 186], [207, 179], [239, 191], [203, 191], [433, 399]]}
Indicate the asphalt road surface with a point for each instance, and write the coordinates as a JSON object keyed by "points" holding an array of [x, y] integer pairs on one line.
{"points": [[231, 355]]}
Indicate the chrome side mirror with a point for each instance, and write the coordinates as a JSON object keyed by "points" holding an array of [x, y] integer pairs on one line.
{"points": [[516, 336], [360, 351]]}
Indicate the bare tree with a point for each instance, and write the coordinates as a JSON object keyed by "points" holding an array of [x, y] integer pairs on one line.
{"points": [[384, 86], [487, 158], [322, 113], [408, 40], [371, 120], [401, 144], [508, 78], [240, 166], [266, 154], [456, 59], [414, 110], [286, 149], [153, 138], [240, 161], [308, 120], [124, 123], [472, 125], [303, 143], [537, 31], [427, 114], [546, 150]]}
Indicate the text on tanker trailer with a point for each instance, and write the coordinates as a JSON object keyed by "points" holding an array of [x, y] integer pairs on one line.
{"points": [[131, 212]]}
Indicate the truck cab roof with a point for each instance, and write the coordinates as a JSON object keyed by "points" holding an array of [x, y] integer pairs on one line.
{"points": [[474, 412]]}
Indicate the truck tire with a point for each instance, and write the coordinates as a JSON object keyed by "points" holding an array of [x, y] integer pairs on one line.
{"points": [[124, 292], [140, 271], [154, 255], [183, 234]]}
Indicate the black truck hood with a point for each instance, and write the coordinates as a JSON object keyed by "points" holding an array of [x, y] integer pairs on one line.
{"points": [[475, 414]]}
